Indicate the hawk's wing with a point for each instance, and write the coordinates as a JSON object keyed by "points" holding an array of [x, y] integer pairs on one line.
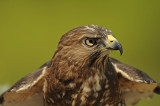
{"points": [[27, 91], [134, 83]]}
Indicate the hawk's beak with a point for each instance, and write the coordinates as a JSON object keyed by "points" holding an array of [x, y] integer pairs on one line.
{"points": [[113, 44]]}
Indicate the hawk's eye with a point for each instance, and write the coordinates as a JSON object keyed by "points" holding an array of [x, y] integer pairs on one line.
{"points": [[90, 42]]}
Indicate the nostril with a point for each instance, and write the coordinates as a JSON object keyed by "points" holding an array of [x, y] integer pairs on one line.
{"points": [[111, 41]]}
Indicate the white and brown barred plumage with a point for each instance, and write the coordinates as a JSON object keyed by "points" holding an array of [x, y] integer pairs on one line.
{"points": [[82, 74]]}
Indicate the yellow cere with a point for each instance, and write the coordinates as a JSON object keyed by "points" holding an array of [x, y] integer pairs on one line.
{"points": [[111, 39]]}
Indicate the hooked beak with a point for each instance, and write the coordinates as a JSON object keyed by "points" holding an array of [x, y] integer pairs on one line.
{"points": [[113, 44]]}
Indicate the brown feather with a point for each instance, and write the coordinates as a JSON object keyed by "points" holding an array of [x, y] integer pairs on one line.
{"points": [[79, 75], [27, 91], [134, 83]]}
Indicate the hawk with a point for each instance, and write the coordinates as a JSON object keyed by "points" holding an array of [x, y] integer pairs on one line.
{"points": [[82, 73]]}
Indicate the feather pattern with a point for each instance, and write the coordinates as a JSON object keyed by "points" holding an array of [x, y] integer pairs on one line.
{"points": [[81, 74]]}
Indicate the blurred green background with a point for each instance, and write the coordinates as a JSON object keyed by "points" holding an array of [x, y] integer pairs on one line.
{"points": [[31, 29]]}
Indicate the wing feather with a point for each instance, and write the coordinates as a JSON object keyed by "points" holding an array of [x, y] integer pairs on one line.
{"points": [[27, 91], [134, 83]]}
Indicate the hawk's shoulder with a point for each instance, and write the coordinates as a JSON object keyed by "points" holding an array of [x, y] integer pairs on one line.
{"points": [[131, 73], [134, 83], [28, 87]]}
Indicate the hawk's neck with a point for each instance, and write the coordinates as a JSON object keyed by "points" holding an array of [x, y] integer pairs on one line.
{"points": [[72, 82]]}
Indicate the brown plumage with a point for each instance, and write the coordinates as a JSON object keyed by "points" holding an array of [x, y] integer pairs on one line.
{"points": [[82, 73]]}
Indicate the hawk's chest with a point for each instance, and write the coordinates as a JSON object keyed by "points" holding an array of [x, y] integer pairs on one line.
{"points": [[96, 86], [98, 89]]}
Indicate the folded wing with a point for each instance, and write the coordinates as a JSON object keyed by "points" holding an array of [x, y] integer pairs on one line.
{"points": [[134, 83], [27, 91]]}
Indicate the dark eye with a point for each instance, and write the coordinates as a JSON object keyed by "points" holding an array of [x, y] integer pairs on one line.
{"points": [[90, 42]]}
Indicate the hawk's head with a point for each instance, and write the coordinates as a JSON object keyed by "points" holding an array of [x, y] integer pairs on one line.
{"points": [[87, 42]]}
